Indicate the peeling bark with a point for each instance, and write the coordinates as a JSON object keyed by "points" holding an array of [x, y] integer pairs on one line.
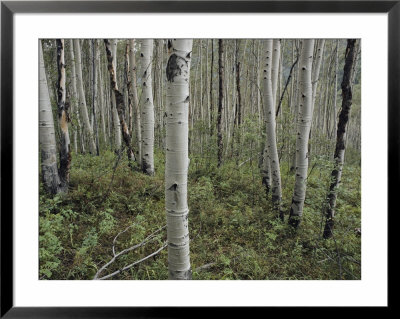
{"points": [[177, 160], [120, 104], [47, 139], [336, 174], [63, 118]]}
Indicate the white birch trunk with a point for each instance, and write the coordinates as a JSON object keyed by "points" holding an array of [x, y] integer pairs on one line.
{"points": [[147, 116], [272, 49], [303, 131], [135, 99], [177, 160], [266, 165], [82, 98], [74, 92], [47, 139], [117, 128], [276, 54]]}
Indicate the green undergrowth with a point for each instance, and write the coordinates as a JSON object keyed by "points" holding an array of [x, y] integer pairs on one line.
{"points": [[233, 228]]}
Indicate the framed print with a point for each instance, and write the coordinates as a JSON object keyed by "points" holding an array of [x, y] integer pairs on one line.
{"points": [[249, 148]]}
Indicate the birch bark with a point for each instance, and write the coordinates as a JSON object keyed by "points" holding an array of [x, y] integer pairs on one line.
{"points": [[63, 119], [303, 132], [47, 139], [135, 99], [267, 74], [177, 160], [82, 99], [147, 107], [116, 124], [119, 99], [269, 92]]}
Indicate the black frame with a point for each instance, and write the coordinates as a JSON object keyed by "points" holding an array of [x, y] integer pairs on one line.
{"points": [[8, 8]]}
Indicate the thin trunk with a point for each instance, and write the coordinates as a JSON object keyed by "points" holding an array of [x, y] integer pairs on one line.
{"points": [[119, 99], [63, 119], [147, 118], [269, 98], [211, 90], [95, 94], [116, 124], [82, 98], [220, 99], [336, 174], [135, 99]]}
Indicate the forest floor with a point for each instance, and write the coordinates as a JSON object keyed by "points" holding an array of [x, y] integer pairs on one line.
{"points": [[234, 231]]}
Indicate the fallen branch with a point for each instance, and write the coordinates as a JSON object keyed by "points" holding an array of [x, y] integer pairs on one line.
{"points": [[133, 264], [115, 256]]}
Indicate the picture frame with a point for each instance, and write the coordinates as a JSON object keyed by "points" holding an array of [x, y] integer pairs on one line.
{"points": [[9, 8]]}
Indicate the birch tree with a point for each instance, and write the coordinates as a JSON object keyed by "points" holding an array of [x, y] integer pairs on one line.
{"points": [[82, 98], [135, 99], [147, 107], [116, 124], [336, 174], [221, 67], [303, 131], [63, 119], [94, 92], [47, 139], [177, 160], [268, 98], [267, 74], [74, 102]]}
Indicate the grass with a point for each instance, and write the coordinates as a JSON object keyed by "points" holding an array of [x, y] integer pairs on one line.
{"points": [[234, 231]]}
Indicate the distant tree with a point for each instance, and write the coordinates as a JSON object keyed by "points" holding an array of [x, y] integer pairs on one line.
{"points": [[221, 68]]}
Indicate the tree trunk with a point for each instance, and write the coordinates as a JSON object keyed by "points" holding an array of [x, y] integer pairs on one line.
{"points": [[340, 139], [267, 74], [119, 99], [82, 99], [95, 101], [74, 101], [303, 131], [147, 118], [63, 119], [220, 99], [268, 99], [177, 160], [116, 124], [211, 90], [47, 139], [135, 99]]}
